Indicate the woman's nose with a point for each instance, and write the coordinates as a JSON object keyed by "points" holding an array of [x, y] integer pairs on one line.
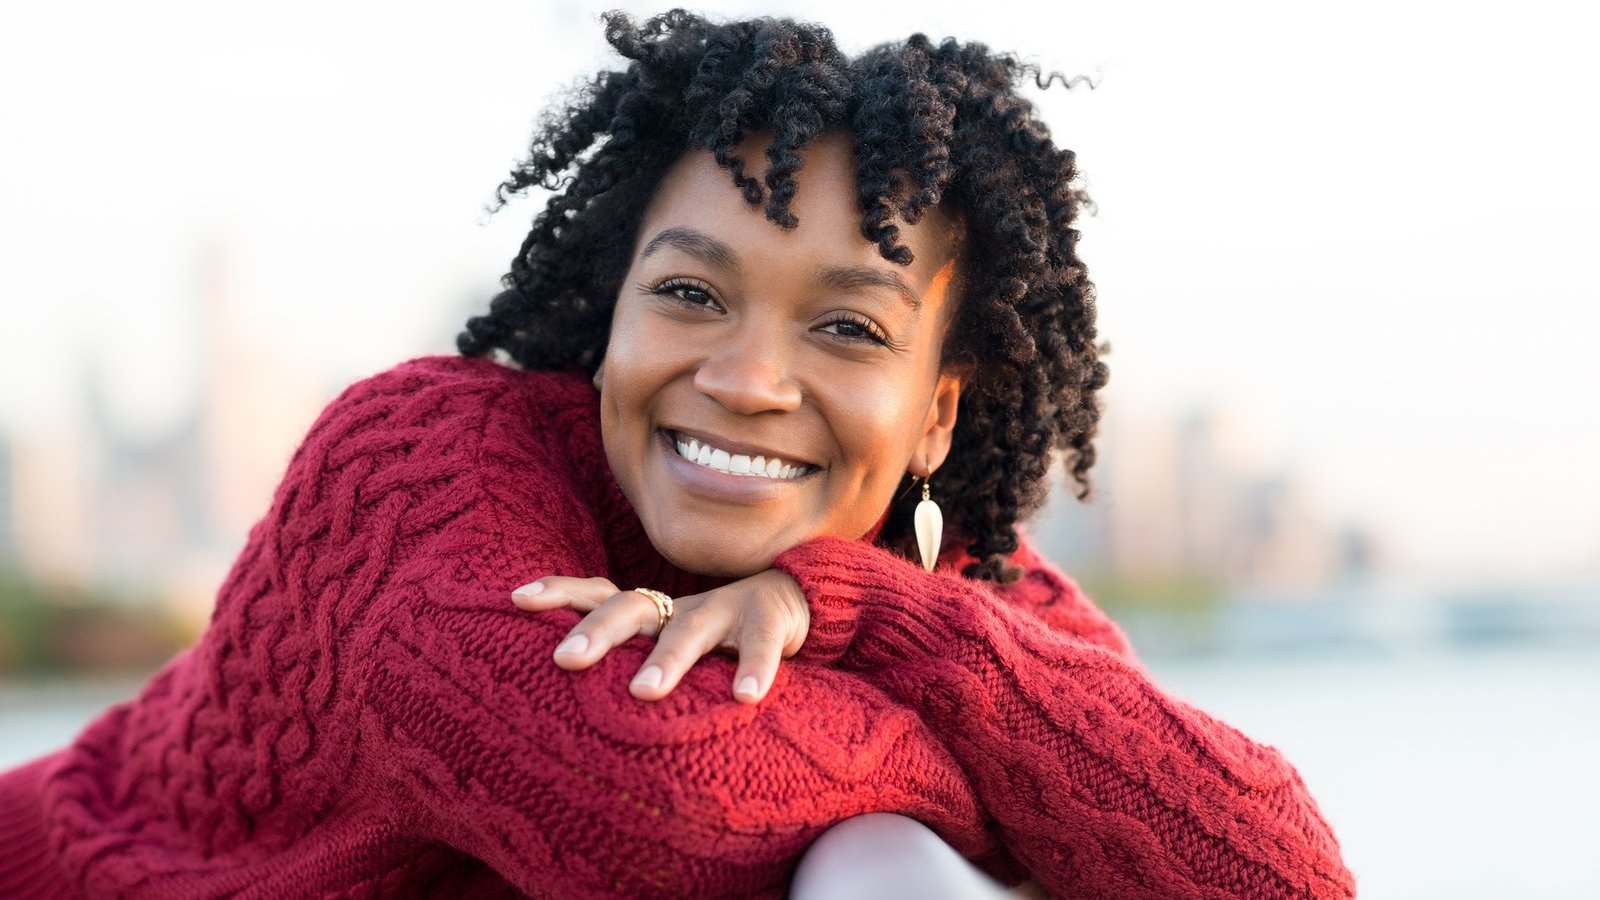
{"points": [[748, 374]]}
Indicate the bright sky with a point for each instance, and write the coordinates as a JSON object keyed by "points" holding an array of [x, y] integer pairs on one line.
{"points": [[1364, 226]]}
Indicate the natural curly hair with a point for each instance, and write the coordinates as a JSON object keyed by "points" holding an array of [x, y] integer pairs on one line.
{"points": [[933, 125]]}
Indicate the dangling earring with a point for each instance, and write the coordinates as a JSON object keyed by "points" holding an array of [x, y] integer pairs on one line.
{"points": [[929, 521]]}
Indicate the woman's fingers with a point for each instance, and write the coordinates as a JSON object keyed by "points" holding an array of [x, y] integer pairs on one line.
{"points": [[761, 618], [760, 653], [621, 616], [759, 643], [690, 635], [555, 591]]}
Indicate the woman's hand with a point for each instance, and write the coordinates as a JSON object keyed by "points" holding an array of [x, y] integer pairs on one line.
{"points": [[762, 618]]}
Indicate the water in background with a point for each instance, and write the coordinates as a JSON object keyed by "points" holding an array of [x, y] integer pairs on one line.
{"points": [[1459, 774], [1454, 773]]}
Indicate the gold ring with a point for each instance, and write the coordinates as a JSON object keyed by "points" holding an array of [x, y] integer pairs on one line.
{"points": [[663, 605]]}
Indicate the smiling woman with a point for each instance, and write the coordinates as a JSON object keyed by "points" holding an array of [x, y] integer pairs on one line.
{"points": [[773, 289], [802, 349]]}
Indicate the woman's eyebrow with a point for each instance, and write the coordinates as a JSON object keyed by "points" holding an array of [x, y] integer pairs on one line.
{"points": [[698, 244], [713, 252], [851, 278]]}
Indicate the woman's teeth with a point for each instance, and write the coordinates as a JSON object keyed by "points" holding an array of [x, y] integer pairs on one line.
{"points": [[737, 463]]}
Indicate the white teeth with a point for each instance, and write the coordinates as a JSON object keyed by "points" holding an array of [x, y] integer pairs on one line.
{"points": [[737, 463]]}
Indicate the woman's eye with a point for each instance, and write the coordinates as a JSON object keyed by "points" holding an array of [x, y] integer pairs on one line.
{"points": [[686, 292], [857, 330]]}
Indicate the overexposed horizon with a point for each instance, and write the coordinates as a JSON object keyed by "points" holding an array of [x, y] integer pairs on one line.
{"points": [[1362, 230]]}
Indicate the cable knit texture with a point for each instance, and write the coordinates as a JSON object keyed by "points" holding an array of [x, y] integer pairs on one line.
{"points": [[368, 715]]}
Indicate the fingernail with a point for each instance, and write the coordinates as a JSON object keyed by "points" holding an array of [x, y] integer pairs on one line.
{"points": [[573, 645], [748, 686], [529, 589], [650, 677]]}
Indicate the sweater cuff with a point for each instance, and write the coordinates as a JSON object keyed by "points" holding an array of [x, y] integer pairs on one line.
{"points": [[841, 578]]}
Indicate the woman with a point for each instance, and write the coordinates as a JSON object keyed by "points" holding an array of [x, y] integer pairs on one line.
{"points": [[773, 288]]}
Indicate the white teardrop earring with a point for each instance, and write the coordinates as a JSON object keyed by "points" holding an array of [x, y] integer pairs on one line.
{"points": [[929, 522]]}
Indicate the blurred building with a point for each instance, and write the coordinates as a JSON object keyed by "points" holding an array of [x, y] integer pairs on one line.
{"points": [[92, 505], [1248, 518], [1198, 496], [148, 498], [50, 483]]}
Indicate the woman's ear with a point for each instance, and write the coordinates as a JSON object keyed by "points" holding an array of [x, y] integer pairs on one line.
{"points": [[940, 424]]}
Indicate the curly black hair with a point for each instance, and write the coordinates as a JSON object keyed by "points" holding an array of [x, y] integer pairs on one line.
{"points": [[933, 125]]}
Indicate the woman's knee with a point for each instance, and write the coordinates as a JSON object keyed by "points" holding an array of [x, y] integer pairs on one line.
{"points": [[887, 855]]}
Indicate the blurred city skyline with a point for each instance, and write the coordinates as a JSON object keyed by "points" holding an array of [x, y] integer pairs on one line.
{"points": [[1348, 249], [103, 503]]}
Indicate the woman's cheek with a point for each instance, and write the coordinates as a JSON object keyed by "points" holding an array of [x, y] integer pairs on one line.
{"points": [[874, 419], [877, 417]]}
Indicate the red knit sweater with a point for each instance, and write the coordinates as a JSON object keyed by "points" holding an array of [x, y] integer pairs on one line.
{"points": [[369, 715]]}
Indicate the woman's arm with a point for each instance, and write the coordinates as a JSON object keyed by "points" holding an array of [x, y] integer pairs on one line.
{"points": [[1102, 785], [566, 784]]}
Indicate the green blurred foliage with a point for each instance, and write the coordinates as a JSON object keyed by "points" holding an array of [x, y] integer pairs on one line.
{"points": [[1177, 594], [49, 630], [1165, 613]]}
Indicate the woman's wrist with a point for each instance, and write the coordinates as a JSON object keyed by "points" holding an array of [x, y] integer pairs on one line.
{"points": [[816, 567], [851, 585]]}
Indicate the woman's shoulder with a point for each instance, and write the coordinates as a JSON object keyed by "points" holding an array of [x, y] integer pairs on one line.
{"points": [[436, 418], [433, 387], [450, 400], [1050, 593]]}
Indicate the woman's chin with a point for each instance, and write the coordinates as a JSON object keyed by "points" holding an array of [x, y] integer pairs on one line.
{"points": [[720, 557]]}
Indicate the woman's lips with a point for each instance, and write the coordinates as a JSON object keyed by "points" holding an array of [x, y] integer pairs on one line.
{"points": [[721, 485], [751, 463], [736, 447]]}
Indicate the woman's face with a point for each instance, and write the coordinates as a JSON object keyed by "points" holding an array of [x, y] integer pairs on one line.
{"points": [[799, 368]]}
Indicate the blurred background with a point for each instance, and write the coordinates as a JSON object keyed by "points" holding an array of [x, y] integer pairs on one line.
{"points": [[1347, 498]]}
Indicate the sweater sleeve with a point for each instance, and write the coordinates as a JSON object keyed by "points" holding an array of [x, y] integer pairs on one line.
{"points": [[1055, 599], [1042, 591], [566, 786], [1102, 785]]}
